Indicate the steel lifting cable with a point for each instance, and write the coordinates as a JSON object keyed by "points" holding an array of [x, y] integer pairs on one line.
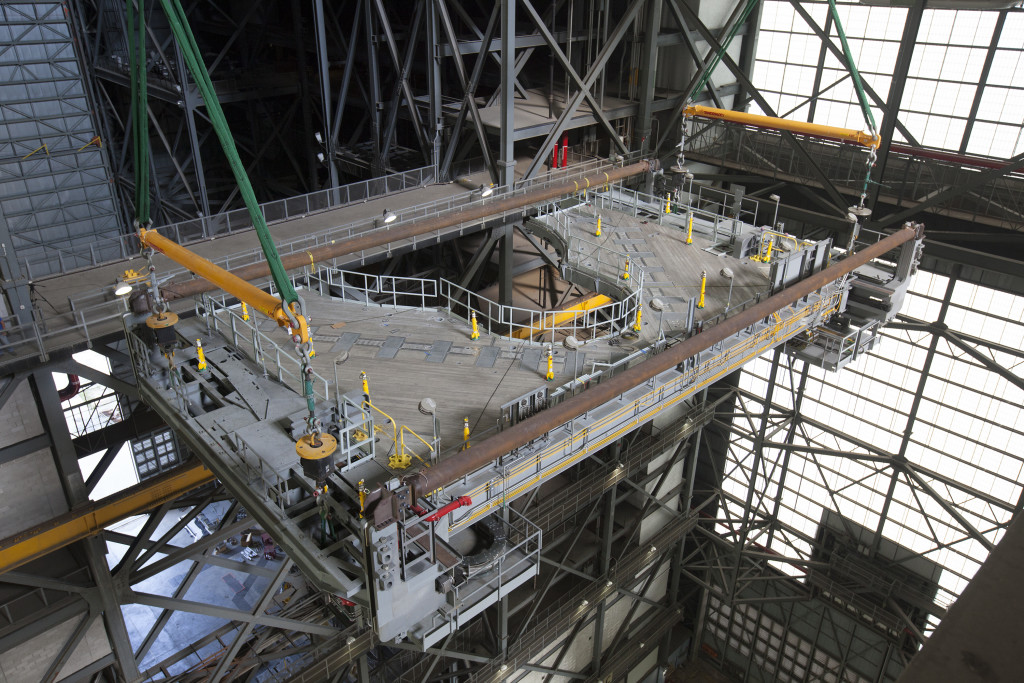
{"points": [[193, 59], [869, 117]]}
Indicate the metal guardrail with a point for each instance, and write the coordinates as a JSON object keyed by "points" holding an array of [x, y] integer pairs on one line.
{"points": [[205, 227], [47, 330], [999, 202], [257, 346]]}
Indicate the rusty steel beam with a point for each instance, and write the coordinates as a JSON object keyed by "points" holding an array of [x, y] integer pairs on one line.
{"points": [[354, 245], [457, 466]]}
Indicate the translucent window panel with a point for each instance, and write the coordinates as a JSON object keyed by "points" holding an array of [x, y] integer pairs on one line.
{"points": [[946, 65], [1012, 36], [965, 444]]}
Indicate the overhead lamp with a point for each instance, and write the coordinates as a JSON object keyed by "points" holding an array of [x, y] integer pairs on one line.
{"points": [[486, 190], [319, 139], [389, 217], [123, 289], [320, 157]]}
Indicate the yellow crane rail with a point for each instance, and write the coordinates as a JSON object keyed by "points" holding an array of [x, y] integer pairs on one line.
{"points": [[816, 129], [91, 518], [551, 319], [266, 303]]}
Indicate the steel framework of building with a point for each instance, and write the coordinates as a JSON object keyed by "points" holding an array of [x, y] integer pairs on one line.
{"points": [[782, 479]]}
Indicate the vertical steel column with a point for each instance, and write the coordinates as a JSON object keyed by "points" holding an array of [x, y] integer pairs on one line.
{"points": [[607, 530], [374, 103], [506, 158], [648, 73], [19, 300], [323, 63], [896, 89], [436, 127], [190, 100]]}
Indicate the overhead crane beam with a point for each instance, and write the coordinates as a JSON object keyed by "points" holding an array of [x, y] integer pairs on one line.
{"points": [[90, 519]]}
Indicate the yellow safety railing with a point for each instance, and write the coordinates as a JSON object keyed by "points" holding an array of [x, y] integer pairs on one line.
{"points": [[402, 457]]}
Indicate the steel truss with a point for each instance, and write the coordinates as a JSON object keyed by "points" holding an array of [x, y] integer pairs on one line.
{"points": [[802, 459]]}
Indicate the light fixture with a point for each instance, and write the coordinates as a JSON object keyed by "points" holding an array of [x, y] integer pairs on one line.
{"points": [[504, 668], [609, 583], [486, 190], [654, 549], [319, 139], [584, 603], [123, 289], [389, 217], [320, 157]]}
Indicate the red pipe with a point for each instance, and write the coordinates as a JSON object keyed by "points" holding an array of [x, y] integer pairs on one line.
{"points": [[460, 502], [71, 390], [554, 158], [565, 149]]}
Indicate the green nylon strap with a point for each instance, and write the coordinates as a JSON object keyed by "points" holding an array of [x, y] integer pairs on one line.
{"points": [[139, 113], [869, 118], [193, 59], [713, 64]]}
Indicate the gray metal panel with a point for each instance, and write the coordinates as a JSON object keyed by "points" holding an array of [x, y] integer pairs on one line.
{"points": [[530, 360], [487, 356], [55, 189], [438, 352], [345, 342], [391, 347]]}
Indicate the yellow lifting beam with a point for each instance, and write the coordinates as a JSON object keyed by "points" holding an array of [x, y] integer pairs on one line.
{"points": [[90, 519], [552, 318], [816, 129], [247, 293]]}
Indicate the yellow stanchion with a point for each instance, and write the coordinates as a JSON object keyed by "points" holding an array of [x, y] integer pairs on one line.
{"points": [[476, 330], [703, 286], [200, 355]]}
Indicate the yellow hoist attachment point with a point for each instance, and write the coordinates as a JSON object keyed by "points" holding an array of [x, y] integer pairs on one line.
{"points": [[703, 286]]}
